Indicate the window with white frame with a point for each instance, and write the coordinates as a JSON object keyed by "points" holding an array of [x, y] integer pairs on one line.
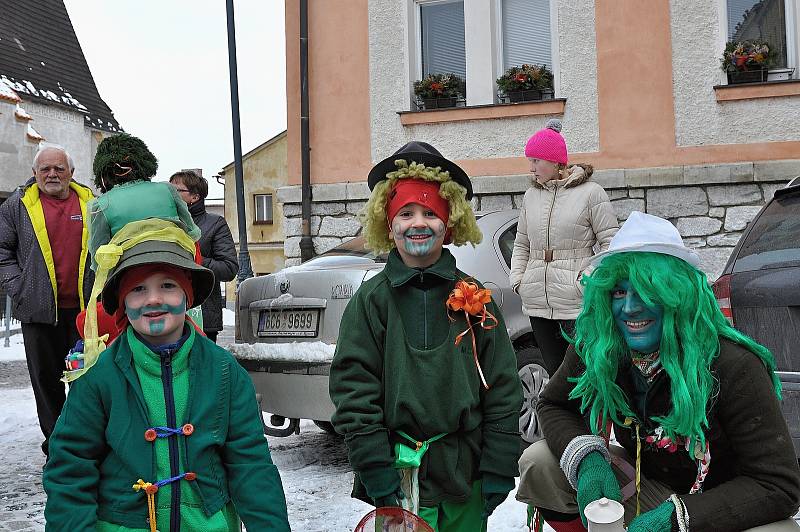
{"points": [[772, 21], [441, 37], [525, 30], [263, 208]]}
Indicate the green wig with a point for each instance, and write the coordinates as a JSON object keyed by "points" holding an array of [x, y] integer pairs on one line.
{"points": [[692, 326], [461, 219], [120, 159]]}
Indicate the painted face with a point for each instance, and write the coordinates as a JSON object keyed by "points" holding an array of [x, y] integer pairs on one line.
{"points": [[418, 234], [53, 173], [156, 309], [543, 170], [640, 324]]}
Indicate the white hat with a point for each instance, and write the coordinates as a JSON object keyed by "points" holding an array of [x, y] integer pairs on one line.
{"points": [[645, 232]]}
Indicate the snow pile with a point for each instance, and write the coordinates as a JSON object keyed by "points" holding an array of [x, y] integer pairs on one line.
{"points": [[22, 114], [318, 352], [228, 317], [15, 351], [7, 93]]}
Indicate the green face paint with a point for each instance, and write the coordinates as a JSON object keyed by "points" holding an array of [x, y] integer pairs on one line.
{"points": [[137, 313]]}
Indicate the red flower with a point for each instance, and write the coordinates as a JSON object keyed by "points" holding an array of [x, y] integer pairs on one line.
{"points": [[521, 78]]}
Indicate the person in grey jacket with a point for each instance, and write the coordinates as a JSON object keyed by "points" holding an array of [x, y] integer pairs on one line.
{"points": [[48, 283], [216, 245]]}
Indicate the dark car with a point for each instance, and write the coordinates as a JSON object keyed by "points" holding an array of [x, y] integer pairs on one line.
{"points": [[759, 291]]}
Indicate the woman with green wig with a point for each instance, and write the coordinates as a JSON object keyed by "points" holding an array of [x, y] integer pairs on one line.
{"points": [[424, 376], [693, 404]]}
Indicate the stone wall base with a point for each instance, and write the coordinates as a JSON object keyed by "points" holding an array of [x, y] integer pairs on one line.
{"points": [[710, 216]]}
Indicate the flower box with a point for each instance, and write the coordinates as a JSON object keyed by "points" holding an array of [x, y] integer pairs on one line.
{"points": [[438, 103], [747, 76], [524, 96], [780, 74]]}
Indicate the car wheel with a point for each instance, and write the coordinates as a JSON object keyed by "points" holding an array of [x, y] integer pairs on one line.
{"points": [[327, 426], [533, 377]]}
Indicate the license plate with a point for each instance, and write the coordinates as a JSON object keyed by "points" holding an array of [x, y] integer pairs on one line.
{"points": [[289, 322]]}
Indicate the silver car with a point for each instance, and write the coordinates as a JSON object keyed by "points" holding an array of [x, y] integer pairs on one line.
{"points": [[291, 319]]}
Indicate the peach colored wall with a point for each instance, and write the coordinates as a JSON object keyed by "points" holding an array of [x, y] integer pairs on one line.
{"points": [[339, 121], [634, 79]]}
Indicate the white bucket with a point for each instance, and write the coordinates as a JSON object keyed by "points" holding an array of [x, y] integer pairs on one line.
{"points": [[605, 515]]}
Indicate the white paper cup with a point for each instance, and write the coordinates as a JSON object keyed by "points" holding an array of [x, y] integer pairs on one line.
{"points": [[605, 515]]}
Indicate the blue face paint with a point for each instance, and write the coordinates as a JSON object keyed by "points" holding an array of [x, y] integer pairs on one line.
{"points": [[641, 325], [419, 248]]}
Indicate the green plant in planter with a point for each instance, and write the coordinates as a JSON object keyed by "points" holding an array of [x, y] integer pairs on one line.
{"points": [[439, 90], [747, 56], [526, 78]]}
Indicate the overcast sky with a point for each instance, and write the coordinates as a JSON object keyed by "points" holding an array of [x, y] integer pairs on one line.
{"points": [[162, 67]]}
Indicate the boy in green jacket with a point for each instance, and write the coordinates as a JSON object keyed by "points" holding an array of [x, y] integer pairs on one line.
{"points": [[402, 379], [164, 430]]}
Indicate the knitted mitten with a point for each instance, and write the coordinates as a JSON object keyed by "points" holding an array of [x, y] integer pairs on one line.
{"points": [[595, 481], [494, 489], [657, 520]]}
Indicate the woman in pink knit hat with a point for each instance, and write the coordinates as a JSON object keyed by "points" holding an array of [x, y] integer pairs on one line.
{"points": [[565, 218]]}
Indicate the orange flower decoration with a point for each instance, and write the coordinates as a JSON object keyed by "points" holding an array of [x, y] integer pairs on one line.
{"points": [[470, 299]]}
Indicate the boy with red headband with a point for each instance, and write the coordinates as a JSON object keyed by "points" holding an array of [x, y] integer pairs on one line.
{"points": [[165, 428], [415, 403]]}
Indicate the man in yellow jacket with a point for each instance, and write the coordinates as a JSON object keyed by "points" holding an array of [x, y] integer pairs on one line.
{"points": [[44, 267]]}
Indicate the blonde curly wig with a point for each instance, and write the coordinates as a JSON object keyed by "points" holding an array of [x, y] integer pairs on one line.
{"points": [[464, 228]]}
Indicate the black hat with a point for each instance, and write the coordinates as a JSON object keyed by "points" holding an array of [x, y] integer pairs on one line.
{"points": [[420, 153]]}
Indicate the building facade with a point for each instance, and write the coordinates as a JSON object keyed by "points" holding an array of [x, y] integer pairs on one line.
{"points": [[637, 85], [47, 93], [264, 171]]}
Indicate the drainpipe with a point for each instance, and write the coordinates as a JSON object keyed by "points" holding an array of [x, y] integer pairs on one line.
{"points": [[245, 269], [306, 242]]}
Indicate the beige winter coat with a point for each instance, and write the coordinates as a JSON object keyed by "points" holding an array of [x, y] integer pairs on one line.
{"points": [[559, 224]]}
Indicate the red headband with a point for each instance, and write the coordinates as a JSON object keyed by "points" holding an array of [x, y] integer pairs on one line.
{"points": [[425, 193]]}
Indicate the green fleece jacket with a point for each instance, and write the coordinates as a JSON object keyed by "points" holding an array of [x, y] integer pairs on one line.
{"points": [[98, 449], [397, 368]]}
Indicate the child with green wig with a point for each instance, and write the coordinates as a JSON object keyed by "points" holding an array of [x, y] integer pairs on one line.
{"points": [[430, 421], [693, 403]]}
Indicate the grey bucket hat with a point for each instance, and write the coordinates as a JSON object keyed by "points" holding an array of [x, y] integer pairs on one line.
{"points": [[158, 252]]}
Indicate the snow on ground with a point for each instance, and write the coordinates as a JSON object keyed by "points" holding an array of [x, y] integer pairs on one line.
{"points": [[15, 351], [228, 317], [316, 475]]}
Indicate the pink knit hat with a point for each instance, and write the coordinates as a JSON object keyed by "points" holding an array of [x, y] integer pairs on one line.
{"points": [[548, 144]]}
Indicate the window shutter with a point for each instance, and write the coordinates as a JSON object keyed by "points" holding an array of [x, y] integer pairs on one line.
{"points": [[526, 33], [442, 32]]}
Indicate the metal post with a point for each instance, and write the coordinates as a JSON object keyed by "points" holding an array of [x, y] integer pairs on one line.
{"points": [[7, 343], [306, 241], [245, 269]]}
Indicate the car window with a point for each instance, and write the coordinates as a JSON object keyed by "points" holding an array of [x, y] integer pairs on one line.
{"points": [[774, 240], [506, 243]]}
